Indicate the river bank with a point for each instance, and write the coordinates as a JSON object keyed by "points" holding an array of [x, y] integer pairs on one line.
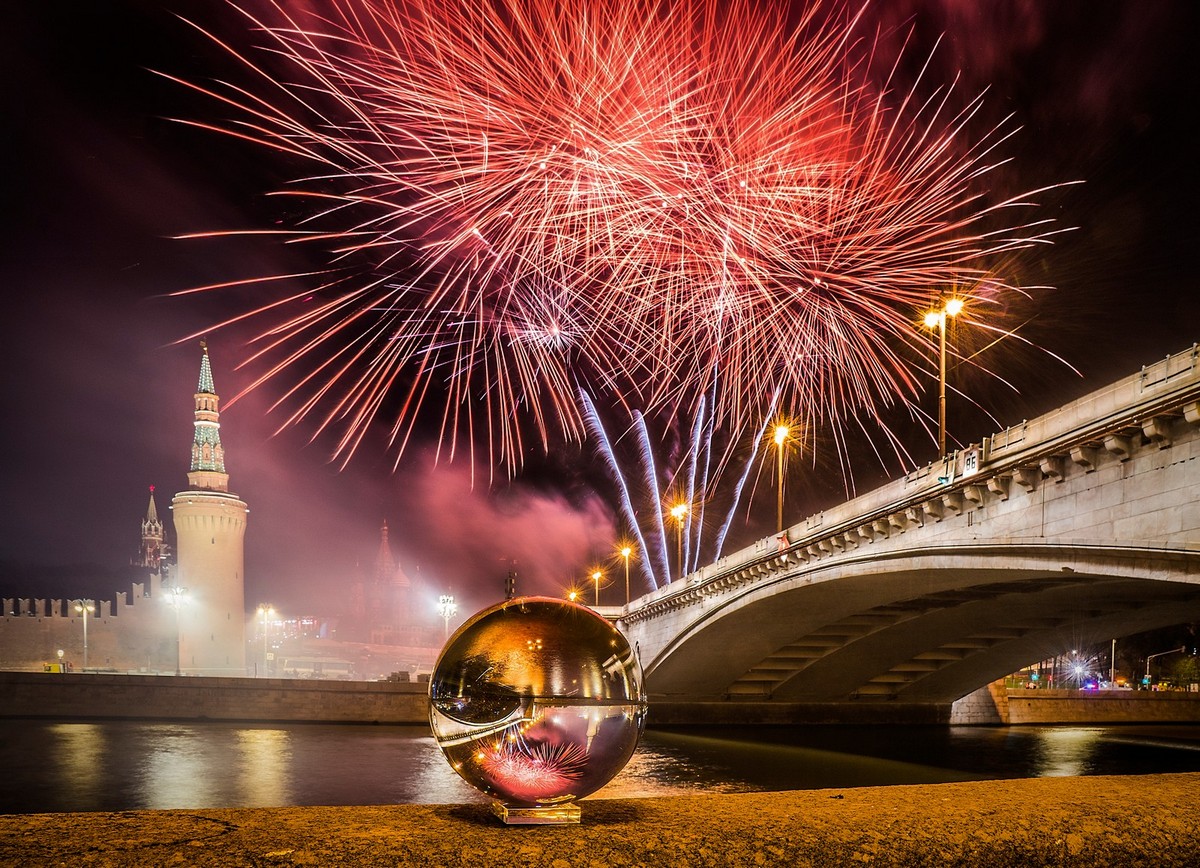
{"points": [[1078, 822]]}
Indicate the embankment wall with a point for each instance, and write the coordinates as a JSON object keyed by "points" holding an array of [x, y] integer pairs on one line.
{"points": [[161, 697], [73, 695]]}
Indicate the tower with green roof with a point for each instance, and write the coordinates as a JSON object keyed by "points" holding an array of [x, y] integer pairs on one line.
{"points": [[210, 527]]}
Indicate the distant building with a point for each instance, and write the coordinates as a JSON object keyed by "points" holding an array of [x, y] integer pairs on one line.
{"points": [[184, 616], [210, 526], [385, 610], [154, 553]]}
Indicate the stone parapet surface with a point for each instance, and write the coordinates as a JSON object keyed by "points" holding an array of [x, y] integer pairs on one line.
{"points": [[1079, 822]]}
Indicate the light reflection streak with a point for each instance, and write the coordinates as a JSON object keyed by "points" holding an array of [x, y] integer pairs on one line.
{"points": [[178, 770], [265, 761], [1065, 752], [80, 750]]}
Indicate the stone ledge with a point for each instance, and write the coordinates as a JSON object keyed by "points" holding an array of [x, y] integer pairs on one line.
{"points": [[1079, 822]]}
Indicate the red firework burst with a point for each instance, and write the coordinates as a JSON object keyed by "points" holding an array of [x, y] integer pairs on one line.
{"points": [[520, 196], [529, 771]]}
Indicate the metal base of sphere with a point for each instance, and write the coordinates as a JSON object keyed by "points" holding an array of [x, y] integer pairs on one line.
{"points": [[537, 702], [551, 815]]}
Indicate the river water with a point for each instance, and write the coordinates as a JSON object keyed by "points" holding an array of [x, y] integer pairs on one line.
{"points": [[50, 766]]}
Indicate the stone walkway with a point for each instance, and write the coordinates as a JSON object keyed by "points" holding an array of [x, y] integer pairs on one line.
{"points": [[1114, 821]]}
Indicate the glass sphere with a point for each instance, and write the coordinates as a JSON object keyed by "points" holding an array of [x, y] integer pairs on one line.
{"points": [[537, 701]]}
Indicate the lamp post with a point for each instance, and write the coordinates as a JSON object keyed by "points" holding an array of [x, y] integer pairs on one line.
{"points": [[265, 613], [678, 512], [85, 607], [177, 596], [626, 551], [446, 608], [596, 577], [1150, 657], [781, 435], [937, 319]]}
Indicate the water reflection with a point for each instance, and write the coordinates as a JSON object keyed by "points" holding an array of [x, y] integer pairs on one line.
{"points": [[176, 768], [266, 755], [80, 755], [1066, 752], [51, 766]]}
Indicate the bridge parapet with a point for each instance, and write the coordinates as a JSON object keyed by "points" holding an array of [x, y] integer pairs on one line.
{"points": [[1146, 410]]}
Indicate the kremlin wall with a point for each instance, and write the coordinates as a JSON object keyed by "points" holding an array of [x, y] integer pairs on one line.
{"points": [[186, 613]]}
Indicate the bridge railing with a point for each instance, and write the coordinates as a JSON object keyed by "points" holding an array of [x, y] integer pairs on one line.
{"points": [[1111, 417]]}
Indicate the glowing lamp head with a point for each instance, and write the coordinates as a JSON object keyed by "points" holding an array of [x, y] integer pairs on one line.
{"points": [[781, 433], [626, 552], [932, 319], [678, 511], [954, 306]]}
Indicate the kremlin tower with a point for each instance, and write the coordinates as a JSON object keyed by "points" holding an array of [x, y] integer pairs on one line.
{"points": [[154, 555], [210, 524]]}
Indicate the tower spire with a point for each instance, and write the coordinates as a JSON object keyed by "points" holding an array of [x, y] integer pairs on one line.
{"points": [[385, 561], [152, 512], [206, 380], [154, 548], [207, 472]]}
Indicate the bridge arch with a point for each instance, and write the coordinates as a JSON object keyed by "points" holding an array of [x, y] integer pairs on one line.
{"points": [[923, 625], [1071, 529]]}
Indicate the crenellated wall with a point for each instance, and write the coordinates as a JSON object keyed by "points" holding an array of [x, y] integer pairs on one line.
{"points": [[130, 633]]}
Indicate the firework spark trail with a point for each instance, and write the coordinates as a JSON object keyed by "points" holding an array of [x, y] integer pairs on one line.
{"points": [[693, 458], [653, 541], [741, 483], [648, 465], [604, 446], [526, 196], [704, 480]]}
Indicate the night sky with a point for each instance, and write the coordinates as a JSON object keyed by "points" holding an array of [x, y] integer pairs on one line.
{"points": [[98, 385]]}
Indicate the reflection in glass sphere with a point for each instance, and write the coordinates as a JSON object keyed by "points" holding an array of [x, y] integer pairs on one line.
{"points": [[537, 702]]}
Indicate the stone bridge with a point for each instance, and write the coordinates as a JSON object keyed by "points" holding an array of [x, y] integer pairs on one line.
{"points": [[1071, 529]]}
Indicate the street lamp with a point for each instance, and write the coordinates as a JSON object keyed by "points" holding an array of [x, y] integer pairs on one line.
{"points": [[85, 607], [177, 597], [781, 435], [678, 512], [265, 612], [596, 577], [1150, 657], [446, 608], [626, 551], [937, 319]]}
